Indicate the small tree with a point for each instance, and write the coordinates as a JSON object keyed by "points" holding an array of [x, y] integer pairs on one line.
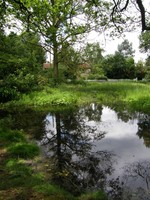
{"points": [[140, 70], [126, 49], [69, 61], [92, 54]]}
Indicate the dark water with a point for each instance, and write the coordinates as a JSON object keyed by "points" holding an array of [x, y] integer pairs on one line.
{"points": [[94, 147]]}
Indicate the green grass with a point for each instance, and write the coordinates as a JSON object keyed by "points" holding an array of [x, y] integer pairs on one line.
{"points": [[23, 150], [53, 190], [132, 95], [8, 136], [98, 195]]}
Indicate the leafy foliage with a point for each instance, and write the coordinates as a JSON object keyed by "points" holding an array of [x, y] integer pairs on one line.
{"points": [[145, 41], [21, 59], [69, 61], [140, 70], [118, 67]]}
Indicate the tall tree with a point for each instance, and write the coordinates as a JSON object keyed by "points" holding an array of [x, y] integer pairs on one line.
{"points": [[55, 20]]}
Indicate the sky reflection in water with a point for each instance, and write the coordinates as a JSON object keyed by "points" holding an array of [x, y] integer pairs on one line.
{"points": [[121, 138], [125, 136]]}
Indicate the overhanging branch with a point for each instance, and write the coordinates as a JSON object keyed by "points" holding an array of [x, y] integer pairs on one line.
{"points": [[116, 9], [143, 19]]}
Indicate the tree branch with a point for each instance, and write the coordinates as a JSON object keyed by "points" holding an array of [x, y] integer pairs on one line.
{"points": [[141, 7], [142, 11], [125, 7]]}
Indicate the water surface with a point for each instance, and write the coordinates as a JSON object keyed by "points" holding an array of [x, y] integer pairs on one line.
{"points": [[92, 147], [97, 147]]}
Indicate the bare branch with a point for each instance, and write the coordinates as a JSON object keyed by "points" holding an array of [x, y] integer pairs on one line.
{"points": [[125, 7], [116, 10]]}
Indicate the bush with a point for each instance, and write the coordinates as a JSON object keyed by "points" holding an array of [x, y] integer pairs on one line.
{"points": [[147, 76], [15, 84], [7, 93]]}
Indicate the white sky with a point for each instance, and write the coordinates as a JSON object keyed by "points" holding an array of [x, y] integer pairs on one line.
{"points": [[110, 45]]}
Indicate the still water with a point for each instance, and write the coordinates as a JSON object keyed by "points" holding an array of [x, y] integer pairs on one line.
{"points": [[95, 147]]}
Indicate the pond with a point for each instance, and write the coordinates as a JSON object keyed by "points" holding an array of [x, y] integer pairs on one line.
{"points": [[92, 147]]}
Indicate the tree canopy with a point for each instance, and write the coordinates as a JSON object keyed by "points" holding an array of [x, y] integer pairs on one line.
{"points": [[60, 22]]}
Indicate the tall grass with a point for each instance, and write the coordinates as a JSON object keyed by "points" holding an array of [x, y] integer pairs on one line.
{"points": [[130, 94]]}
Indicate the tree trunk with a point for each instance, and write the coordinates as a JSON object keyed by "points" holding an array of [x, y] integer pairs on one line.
{"points": [[55, 63]]}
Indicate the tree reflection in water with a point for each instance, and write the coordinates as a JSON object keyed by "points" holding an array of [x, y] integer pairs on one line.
{"points": [[138, 175], [74, 144], [69, 141], [133, 185], [144, 129]]}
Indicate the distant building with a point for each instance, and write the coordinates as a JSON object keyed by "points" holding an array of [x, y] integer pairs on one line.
{"points": [[85, 66], [85, 69], [47, 65]]}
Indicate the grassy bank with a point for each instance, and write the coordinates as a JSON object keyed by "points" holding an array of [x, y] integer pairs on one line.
{"points": [[130, 95], [23, 172]]}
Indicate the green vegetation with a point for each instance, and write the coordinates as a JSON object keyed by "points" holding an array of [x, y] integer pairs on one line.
{"points": [[23, 150], [49, 26], [21, 64], [94, 196], [129, 95]]}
